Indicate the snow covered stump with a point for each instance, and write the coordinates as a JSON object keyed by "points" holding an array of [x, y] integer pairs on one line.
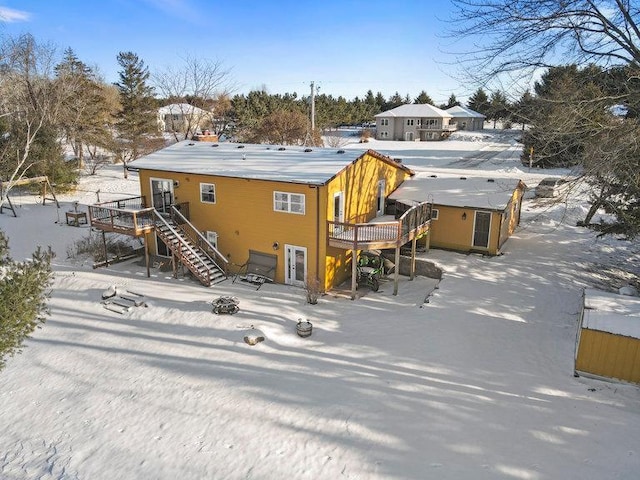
{"points": [[304, 328], [253, 336]]}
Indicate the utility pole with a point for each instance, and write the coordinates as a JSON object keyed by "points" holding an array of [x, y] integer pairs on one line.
{"points": [[313, 107]]}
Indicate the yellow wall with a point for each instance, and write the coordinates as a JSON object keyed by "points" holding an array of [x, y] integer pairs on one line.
{"points": [[244, 218], [451, 232], [359, 182], [608, 355], [243, 215], [511, 216]]}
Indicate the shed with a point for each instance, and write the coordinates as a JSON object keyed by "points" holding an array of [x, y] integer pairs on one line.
{"points": [[608, 337]]}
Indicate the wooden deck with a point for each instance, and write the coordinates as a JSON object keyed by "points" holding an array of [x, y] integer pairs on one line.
{"points": [[128, 216], [381, 233]]}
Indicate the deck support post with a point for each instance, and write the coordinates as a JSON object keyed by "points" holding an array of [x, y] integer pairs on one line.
{"points": [[104, 244], [354, 273], [146, 254], [412, 273], [396, 272], [174, 264]]}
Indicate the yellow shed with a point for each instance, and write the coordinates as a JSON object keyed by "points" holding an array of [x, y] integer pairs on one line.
{"points": [[608, 339], [282, 202], [470, 214]]}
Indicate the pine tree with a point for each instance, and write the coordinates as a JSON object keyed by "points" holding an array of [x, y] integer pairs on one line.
{"points": [[23, 295], [137, 118], [423, 97], [479, 102]]}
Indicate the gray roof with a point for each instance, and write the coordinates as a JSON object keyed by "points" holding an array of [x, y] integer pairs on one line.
{"points": [[460, 111], [264, 162], [467, 192], [415, 110]]}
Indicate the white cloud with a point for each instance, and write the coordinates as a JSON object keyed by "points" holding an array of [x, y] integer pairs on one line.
{"points": [[12, 15]]}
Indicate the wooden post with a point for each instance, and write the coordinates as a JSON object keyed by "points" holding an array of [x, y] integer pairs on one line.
{"points": [[396, 278], [146, 253], [104, 243], [413, 258]]}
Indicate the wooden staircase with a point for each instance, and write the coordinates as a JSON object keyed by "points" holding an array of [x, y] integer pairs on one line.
{"points": [[185, 249]]}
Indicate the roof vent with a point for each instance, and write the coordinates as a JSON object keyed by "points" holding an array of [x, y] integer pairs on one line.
{"points": [[463, 178], [190, 144], [490, 180], [340, 151], [398, 160], [215, 145], [307, 150], [240, 146], [281, 149], [433, 176]]}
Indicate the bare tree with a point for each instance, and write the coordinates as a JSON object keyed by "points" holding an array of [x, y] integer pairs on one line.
{"points": [[29, 102], [194, 88], [520, 36]]}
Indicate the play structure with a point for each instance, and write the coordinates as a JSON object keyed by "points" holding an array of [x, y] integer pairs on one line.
{"points": [[45, 186]]}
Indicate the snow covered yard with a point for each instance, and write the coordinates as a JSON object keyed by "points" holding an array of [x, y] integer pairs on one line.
{"points": [[475, 384]]}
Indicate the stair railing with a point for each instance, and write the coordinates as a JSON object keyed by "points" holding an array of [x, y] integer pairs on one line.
{"points": [[200, 240], [177, 248]]}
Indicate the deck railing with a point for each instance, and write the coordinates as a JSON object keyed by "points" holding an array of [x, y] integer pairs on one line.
{"points": [[362, 236], [127, 215]]}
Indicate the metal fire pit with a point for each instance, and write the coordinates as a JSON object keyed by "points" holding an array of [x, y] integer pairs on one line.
{"points": [[304, 328]]}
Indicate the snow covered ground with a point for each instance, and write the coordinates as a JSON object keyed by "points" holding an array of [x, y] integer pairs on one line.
{"points": [[475, 384]]}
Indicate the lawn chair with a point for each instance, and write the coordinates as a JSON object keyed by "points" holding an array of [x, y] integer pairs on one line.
{"points": [[259, 269]]}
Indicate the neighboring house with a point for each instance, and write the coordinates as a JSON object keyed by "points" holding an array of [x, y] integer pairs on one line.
{"points": [[470, 214], [415, 122], [305, 209], [183, 118], [465, 118], [608, 338]]}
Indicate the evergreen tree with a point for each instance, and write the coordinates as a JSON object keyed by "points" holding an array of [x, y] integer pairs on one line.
{"points": [[479, 102], [452, 102], [23, 287], [423, 97], [498, 107], [137, 117]]}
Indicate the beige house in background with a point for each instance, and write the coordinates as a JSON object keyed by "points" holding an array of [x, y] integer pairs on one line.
{"points": [[414, 122], [465, 118], [183, 118]]}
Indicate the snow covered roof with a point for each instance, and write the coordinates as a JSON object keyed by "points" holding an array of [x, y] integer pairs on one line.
{"points": [[415, 110], [181, 109], [466, 192], [460, 111], [292, 164], [612, 313]]}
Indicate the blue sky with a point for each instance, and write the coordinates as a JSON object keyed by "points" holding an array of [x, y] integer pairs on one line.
{"points": [[345, 47]]}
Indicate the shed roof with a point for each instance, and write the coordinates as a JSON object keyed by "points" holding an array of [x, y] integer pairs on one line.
{"points": [[292, 164], [466, 192], [181, 109], [612, 313], [460, 111], [415, 110]]}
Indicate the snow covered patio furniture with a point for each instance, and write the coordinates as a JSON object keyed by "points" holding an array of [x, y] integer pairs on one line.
{"points": [[258, 269]]}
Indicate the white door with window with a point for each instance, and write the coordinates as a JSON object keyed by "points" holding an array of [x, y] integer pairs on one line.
{"points": [[295, 265], [161, 194], [338, 211], [408, 136], [380, 198]]}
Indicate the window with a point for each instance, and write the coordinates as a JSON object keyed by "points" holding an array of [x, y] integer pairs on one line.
{"points": [[207, 193], [212, 238], [384, 134], [288, 202], [410, 122], [434, 213], [384, 122]]}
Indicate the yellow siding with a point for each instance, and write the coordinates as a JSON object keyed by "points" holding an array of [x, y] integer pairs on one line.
{"points": [[244, 217], [451, 232], [608, 355], [359, 182]]}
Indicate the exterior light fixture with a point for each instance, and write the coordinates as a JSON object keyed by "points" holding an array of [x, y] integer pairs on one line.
{"points": [[464, 216]]}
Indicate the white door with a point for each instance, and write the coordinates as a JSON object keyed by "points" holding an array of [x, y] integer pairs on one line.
{"points": [[380, 198], [161, 194], [408, 136], [338, 211], [296, 265]]}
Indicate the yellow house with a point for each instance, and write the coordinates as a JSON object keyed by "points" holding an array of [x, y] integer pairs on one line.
{"points": [[470, 214], [306, 209]]}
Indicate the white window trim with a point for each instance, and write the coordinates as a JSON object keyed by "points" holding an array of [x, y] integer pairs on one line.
{"points": [[289, 202], [212, 238], [435, 213], [215, 197]]}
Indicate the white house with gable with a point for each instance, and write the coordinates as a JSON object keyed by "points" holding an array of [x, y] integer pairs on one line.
{"points": [[414, 122]]}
